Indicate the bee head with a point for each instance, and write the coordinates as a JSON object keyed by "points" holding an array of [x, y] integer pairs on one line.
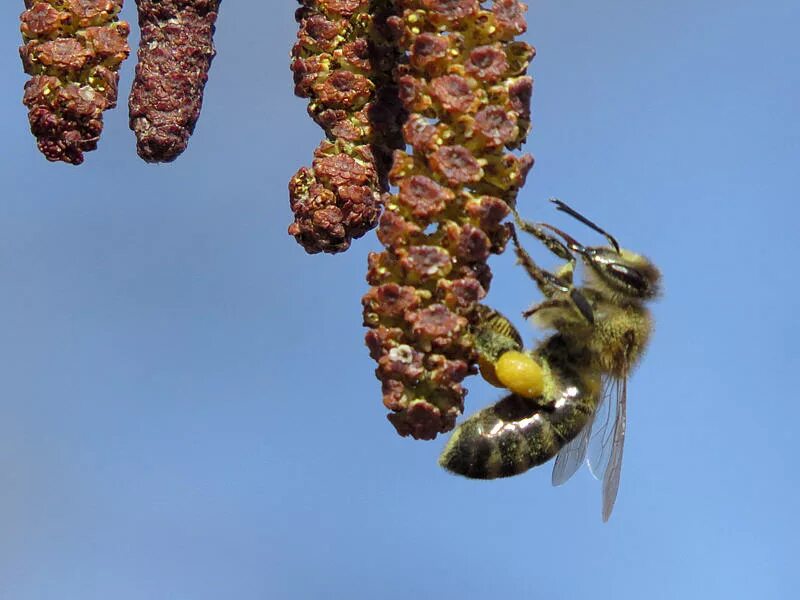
{"points": [[622, 272]]}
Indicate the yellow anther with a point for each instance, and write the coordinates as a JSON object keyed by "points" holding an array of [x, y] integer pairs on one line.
{"points": [[519, 373]]}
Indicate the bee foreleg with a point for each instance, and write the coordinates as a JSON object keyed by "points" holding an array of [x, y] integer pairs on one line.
{"points": [[549, 284], [550, 242]]}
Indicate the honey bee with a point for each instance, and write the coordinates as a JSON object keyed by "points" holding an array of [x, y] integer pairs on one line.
{"points": [[568, 394]]}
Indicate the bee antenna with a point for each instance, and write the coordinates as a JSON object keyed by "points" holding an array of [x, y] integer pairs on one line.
{"points": [[563, 207]]}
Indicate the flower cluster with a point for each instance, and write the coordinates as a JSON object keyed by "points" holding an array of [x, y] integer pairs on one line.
{"points": [[343, 63], [73, 50], [175, 54], [465, 88]]}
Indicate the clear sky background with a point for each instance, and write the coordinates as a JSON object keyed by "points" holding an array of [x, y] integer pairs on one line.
{"points": [[187, 410]]}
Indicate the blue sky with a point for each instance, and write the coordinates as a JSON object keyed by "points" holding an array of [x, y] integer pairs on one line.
{"points": [[187, 410]]}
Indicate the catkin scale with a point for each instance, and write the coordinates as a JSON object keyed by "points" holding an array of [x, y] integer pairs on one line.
{"points": [[73, 49], [175, 53], [468, 98]]}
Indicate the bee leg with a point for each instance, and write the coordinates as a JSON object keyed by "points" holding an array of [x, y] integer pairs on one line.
{"points": [[551, 314], [549, 284], [550, 242], [543, 306]]}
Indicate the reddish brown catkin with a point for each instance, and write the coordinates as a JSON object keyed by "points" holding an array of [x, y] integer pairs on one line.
{"points": [[73, 49], [469, 98], [343, 63], [175, 54]]}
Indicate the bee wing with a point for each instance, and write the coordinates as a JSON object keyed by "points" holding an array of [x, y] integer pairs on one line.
{"points": [[572, 456], [611, 478], [608, 440], [601, 441]]}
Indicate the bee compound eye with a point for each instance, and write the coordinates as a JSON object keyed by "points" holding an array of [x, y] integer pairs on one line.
{"points": [[629, 277]]}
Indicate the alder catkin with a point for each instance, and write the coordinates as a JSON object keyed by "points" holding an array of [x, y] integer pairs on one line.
{"points": [[73, 49], [175, 54], [468, 97], [343, 63]]}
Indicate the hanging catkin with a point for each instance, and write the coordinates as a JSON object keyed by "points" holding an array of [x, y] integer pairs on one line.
{"points": [[343, 63], [469, 99], [175, 54], [73, 49]]}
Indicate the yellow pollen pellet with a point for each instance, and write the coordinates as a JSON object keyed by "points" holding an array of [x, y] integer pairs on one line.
{"points": [[520, 374], [488, 373]]}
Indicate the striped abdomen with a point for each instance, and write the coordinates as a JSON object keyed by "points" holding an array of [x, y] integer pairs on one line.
{"points": [[517, 433]]}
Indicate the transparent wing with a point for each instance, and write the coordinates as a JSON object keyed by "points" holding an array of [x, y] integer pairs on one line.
{"points": [[604, 437], [572, 456], [611, 478], [601, 441]]}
